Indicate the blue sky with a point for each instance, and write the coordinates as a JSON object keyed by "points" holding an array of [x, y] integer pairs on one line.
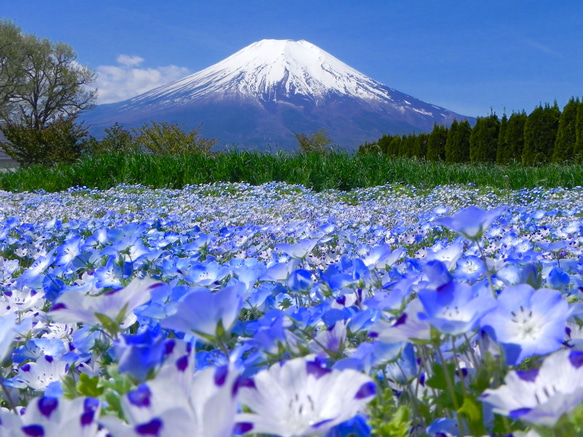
{"points": [[468, 56]]}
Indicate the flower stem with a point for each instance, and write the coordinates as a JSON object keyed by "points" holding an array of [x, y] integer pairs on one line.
{"points": [[451, 389]]}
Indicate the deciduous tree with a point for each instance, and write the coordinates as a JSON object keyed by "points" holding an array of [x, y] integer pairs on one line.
{"points": [[40, 80]]}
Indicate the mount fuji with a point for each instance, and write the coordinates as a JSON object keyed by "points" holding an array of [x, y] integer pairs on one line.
{"points": [[263, 93]]}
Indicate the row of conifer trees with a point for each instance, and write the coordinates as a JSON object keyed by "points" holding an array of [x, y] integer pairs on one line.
{"points": [[546, 135]]}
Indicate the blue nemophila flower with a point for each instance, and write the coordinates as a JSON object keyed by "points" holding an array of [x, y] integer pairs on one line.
{"points": [[38, 347], [558, 278], [109, 275], [455, 308], [33, 276], [443, 427], [299, 249], [299, 281], [527, 322], [204, 274], [140, 353], [279, 271], [301, 397], [69, 251], [448, 254], [515, 274], [381, 256], [346, 273], [52, 417], [329, 340], [541, 396], [408, 326], [469, 268], [470, 222], [8, 332], [116, 306], [204, 313]]}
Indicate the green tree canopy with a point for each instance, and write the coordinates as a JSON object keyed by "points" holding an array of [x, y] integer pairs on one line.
{"points": [[566, 132], [40, 80], [503, 155], [540, 133], [394, 147], [42, 90], [514, 135], [578, 148], [457, 145], [408, 146], [421, 146], [436, 143], [484, 139]]}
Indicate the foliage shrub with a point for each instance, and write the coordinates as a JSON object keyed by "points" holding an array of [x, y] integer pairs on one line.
{"points": [[169, 139], [62, 141], [116, 140], [316, 142]]}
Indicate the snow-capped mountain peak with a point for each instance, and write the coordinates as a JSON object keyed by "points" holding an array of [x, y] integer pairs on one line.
{"points": [[271, 69], [262, 94]]}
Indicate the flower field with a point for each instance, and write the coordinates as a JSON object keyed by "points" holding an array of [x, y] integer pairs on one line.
{"points": [[226, 308]]}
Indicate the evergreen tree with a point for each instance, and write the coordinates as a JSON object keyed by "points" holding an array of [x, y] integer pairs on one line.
{"points": [[421, 146], [566, 132], [484, 139], [578, 149], [503, 155], [407, 146], [540, 133], [514, 135], [384, 143], [436, 143], [457, 145], [449, 142], [394, 146]]}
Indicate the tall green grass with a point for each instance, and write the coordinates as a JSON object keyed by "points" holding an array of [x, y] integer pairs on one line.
{"points": [[337, 170]]}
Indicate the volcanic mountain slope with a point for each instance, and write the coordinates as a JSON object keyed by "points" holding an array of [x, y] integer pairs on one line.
{"points": [[258, 96]]}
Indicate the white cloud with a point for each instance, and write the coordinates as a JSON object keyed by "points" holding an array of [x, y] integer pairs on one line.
{"points": [[120, 82], [130, 61]]}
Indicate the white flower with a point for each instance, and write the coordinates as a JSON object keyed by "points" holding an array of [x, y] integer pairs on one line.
{"points": [[541, 396], [176, 403], [299, 397], [52, 417], [38, 375]]}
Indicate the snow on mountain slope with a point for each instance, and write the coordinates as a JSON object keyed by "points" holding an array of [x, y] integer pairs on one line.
{"points": [[271, 69]]}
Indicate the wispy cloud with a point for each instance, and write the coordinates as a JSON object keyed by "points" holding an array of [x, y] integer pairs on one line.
{"points": [[127, 79], [543, 48]]}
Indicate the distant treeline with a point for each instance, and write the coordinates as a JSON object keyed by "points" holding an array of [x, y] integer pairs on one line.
{"points": [[546, 135]]}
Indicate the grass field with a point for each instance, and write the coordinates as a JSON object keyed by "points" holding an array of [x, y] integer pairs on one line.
{"points": [[338, 170]]}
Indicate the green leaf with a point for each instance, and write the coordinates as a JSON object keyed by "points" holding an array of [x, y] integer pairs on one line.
{"points": [[472, 410], [70, 387], [398, 426], [438, 380], [89, 386], [108, 324], [481, 380]]}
